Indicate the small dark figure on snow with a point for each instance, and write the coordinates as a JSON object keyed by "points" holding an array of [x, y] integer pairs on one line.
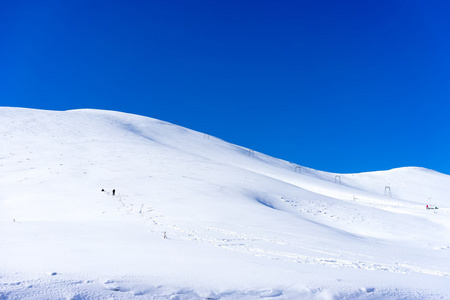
{"points": [[165, 236], [103, 190], [114, 192]]}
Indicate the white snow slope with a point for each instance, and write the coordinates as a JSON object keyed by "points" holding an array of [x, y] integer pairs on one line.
{"points": [[239, 224]]}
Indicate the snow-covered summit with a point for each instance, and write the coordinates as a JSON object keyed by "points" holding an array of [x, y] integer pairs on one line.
{"points": [[239, 223]]}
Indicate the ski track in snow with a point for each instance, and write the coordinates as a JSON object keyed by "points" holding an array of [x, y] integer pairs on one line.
{"points": [[124, 289], [259, 246]]}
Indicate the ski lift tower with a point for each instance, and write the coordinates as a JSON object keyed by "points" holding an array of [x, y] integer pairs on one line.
{"points": [[337, 179], [387, 191]]}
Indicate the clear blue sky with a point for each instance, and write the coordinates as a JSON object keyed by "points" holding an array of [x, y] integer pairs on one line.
{"points": [[340, 86]]}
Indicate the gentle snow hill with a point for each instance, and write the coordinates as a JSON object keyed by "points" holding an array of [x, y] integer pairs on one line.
{"points": [[240, 224]]}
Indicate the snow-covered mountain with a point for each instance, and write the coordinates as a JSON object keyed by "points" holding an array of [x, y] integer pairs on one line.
{"points": [[239, 224]]}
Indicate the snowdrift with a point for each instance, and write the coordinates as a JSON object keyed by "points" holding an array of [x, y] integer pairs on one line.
{"points": [[239, 224]]}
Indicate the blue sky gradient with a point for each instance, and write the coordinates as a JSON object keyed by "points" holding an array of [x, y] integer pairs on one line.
{"points": [[339, 86]]}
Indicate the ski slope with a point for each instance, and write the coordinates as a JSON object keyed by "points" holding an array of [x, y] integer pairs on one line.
{"points": [[239, 224]]}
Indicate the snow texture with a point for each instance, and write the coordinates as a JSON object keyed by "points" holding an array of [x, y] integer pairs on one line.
{"points": [[239, 224]]}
